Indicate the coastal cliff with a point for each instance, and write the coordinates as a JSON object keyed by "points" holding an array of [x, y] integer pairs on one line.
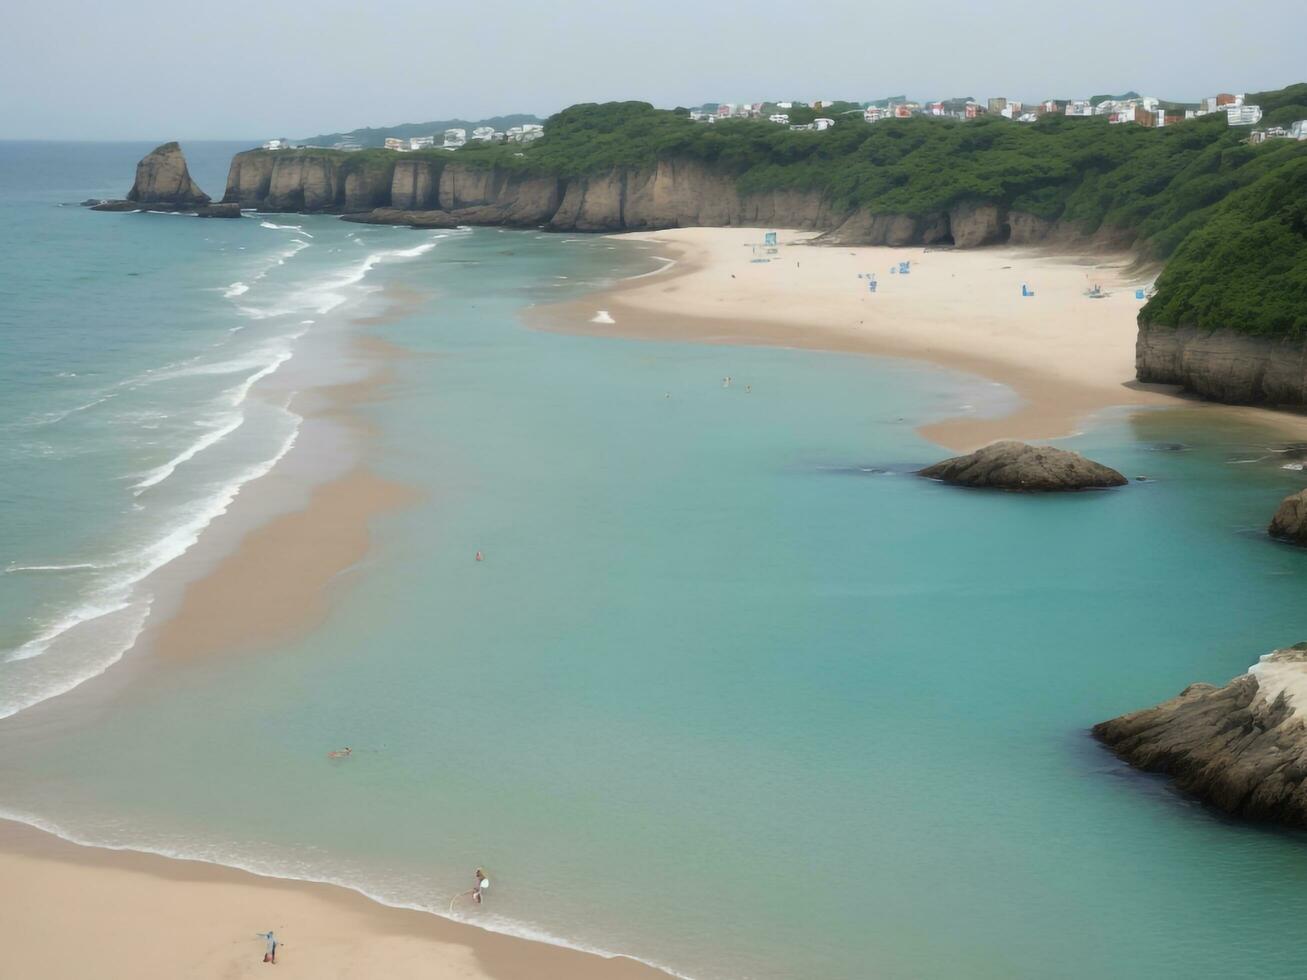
{"points": [[434, 191], [1242, 747], [1225, 365]]}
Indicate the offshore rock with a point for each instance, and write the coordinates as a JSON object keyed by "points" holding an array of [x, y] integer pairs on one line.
{"points": [[1011, 465], [1290, 521], [1241, 748], [219, 211], [162, 178]]}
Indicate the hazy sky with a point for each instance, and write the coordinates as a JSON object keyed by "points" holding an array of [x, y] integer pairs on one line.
{"points": [[160, 69]]}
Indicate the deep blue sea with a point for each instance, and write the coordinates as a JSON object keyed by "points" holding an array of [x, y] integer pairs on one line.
{"points": [[732, 692]]}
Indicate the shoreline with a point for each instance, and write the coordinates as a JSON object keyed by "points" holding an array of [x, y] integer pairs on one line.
{"points": [[175, 917], [264, 573], [1065, 356]]}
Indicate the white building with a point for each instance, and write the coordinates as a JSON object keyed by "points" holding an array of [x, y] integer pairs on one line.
{"points": [[823, 123], [784, 105], [484, 133], [281, 144], [528, 132], [455, 137], [421, 142], [395, 143], [872, 114], [1242, 115], [1298, 131], [1079, 107], [779, 118]]}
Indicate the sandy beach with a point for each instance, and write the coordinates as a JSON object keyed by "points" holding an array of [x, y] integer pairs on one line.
{"points": [[1066, 355], [75, 912]]}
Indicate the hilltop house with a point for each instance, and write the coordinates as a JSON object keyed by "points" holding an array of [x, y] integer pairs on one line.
{"points": [[873, 114], [455, 138], [528, 132], [779, 118], [484, 134], [1242, 115], [1079, 107], [281, 144], [421, 142], [395, 143], [822, 122]]}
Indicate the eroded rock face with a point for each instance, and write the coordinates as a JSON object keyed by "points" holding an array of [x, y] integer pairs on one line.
{"points": [[1013, 465], [1290, 521], [1224, 365], [1241, 747], [163, 179]]}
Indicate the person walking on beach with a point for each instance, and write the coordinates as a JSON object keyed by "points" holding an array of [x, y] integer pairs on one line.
{"points": [[270, 951], [482, 883]]}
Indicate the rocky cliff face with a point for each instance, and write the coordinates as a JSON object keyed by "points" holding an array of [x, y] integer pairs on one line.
{"points": [[305, 181], [162, 178], [1241, 747], [1224, 365], [673, 193]]}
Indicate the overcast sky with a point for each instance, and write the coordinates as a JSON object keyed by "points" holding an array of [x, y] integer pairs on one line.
{"points": [[160, 69]]}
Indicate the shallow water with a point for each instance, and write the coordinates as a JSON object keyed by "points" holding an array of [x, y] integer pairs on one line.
{"points": [[731, 691]]}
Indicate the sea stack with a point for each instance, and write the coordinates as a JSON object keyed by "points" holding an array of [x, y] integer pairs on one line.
{"points": [[1013, 465], [1290, 521], [163, 183], [1242, 747]]}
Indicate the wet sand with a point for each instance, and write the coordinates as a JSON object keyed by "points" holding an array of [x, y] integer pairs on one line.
{"points": [[73, 913]]}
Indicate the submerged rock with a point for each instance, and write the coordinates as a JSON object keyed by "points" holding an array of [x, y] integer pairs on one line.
{"points": [[219, 211], [1290, 521], [1242, 747], [1011, 465]]}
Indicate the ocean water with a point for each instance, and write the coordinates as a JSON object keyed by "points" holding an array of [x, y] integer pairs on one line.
{"points": [[731, 692]]}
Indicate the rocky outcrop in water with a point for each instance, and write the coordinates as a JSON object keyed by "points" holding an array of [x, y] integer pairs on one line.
{"points": [[219, 211], [1290, 520], [1013, 465], [1242, 747], [162, 178], [163, 183], [1224, 365]]}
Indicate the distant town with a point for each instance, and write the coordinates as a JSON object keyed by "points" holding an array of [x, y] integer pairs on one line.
{"points": [[822, 114]]}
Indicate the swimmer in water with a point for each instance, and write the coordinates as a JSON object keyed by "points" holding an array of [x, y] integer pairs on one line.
{"points": [[344, 753], [480, 557]]}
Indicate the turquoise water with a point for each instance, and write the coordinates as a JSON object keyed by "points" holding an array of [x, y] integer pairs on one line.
{"points": [[731, 691]]}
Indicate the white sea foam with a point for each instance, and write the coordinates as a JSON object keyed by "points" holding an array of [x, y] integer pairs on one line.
{"points": [[74, 567], [210, 437], [117, 593], [236, 289], [603, 316], [276, 227]]}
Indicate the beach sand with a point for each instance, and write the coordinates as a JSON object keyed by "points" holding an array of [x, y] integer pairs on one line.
{"points": [[1064, 354], [76, 913]]}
